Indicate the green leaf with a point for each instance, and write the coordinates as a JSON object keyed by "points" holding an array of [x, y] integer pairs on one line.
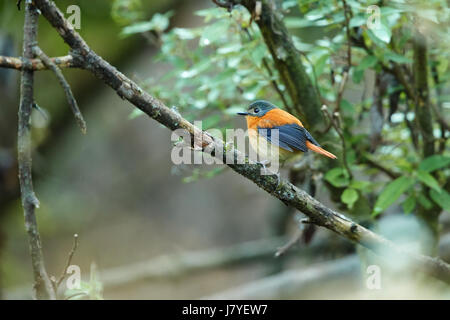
{"points": [[423, 200], [159, 22], [231, 48], [359, 184], [126, 11], [337, 177], [428, 180], [434, 162], [442, 199], [429, 14], [214, 32], [382, 32], [409, 204], [357, 75], [196, 69], [357, 20], [391, 193], [321, 63], [297, 22], [396, 57], [347, 108], [258, 54], [368, 62], [349, 197], [212, 13], [184, 34], [138, 27], [287, 4]]}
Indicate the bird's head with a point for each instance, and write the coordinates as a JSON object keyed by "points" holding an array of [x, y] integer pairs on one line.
{"points": [[258, 109]]}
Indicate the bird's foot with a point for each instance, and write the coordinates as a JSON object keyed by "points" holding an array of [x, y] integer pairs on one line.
{"points": [[278, 175], [279, 182], [263, 163], [265, 171]]}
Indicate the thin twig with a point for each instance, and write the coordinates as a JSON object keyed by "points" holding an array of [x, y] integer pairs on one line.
{"points": [[42, 284], [341, 91], [411, 127], [336, 124], [223, 4], [438, 108], [69, 261], [439, 117], [347, 15], [349, 59], [422, 101], [66, 87], [314, 74], [292, 242], [376, 165]]}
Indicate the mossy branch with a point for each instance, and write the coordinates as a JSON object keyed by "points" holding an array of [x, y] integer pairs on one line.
{"points": [[35, 64], [42, 284]]}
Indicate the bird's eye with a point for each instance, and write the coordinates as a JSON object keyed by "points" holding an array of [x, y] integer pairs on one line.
{"points": [[256, 110]]}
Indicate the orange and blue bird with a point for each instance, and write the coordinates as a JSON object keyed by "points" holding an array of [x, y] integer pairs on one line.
{"points": [[263, 117]]}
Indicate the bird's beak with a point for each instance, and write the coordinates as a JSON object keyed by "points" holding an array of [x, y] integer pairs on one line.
{"points": [[243, 113]]}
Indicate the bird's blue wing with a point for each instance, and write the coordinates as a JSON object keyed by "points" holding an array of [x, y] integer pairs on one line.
{"points": [[290, 136]]}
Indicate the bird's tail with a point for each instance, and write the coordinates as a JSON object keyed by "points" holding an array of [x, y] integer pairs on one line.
{"points": [[320, 150]]}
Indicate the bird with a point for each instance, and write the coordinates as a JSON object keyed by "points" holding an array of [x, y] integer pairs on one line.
{"points": [[263, 117]]}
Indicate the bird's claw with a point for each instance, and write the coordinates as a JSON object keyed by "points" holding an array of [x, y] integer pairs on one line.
{"points": [[263, 164], [278, 179]]}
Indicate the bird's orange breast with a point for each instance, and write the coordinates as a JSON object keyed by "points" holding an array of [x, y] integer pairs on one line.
{"points": [[273, 118]]}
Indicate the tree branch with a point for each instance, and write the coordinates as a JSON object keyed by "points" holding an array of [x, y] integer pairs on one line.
{"points": [[284, 190], [345, 74], [425, 124], [376, 164], [66, 87], [42, 284], [438, 109], [422, 100], [35, 64], [58, 282], [270, 73]]}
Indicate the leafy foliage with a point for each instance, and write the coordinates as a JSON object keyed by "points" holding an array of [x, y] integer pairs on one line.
{"points": [[216, 69]]}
